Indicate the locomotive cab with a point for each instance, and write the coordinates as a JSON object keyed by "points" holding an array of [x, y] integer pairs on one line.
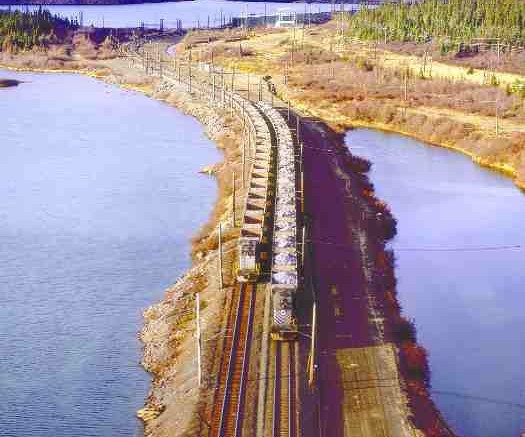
{"points": [[248, 265], [284, 325]]}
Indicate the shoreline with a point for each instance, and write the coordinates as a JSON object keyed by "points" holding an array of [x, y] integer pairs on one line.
{"points": [[167, 339], [161, 358], [343, 125], [156, 332], [502, 168]]}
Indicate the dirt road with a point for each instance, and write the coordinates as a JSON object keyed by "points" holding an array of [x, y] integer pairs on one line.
{"points": [[356, 356]]}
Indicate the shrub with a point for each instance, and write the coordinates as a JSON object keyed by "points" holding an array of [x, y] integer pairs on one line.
{"points": [[364, 64], [494, 81], [415, 360], [84, 46], [404, 330]]}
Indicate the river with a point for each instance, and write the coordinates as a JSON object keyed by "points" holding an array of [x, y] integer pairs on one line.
{"points": [[458, 276], [100, 194], [191, 13]]}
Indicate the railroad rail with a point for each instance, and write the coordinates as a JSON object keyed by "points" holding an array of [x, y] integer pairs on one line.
{"points": [[227, 413], [285, 391], [268, 238]]}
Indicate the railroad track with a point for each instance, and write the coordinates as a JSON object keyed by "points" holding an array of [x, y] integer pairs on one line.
{"points": [[227, 413], [285, 391]]}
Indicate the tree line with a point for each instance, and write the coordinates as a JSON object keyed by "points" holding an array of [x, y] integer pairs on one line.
{"points": [[450, 19], [23, 30]]}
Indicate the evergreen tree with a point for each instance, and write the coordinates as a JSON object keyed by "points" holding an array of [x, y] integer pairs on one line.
{"points": [[452, 19], [25, 30]]}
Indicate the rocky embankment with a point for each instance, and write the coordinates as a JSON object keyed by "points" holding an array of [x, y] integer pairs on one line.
{"points": [[168, 334], [169, 329]]}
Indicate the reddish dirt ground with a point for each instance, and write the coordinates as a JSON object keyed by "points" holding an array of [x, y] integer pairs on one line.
{"points": [[352, 274]]}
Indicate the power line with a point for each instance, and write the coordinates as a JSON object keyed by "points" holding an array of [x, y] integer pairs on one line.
{"points": [[479, 398], [430, 249], [457, 249]]}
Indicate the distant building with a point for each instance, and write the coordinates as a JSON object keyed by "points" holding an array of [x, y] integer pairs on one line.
{"points": [[286, 17]]}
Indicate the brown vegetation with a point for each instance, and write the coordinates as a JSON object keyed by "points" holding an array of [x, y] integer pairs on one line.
{"points": [[379, 223], [85, 47], [466, 56], [355, 87]]}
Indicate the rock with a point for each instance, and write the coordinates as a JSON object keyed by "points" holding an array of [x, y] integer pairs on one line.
{"points": [[149, 413], [5, 83], [210, 170]]}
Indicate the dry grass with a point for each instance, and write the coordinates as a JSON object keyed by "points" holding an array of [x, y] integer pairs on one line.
{"points": [[75, 53], [511, 62], [357, 80], [349, 87]]}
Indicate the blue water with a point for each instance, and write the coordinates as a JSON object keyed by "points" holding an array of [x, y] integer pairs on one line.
{"points": [[191, 13], [468, 306], [100, 194]]}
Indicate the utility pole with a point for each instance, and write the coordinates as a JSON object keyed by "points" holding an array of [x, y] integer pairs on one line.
{"points": [[243, 156], [311, 361], [213, 85], [302, 180], [297, 128], [189, 68], [233, 199], [406, 85], [303, 246], [222, 86], [497, 118], [221, 279], [198, 319]]}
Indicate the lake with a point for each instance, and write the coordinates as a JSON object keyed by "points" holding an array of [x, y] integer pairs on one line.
{"points": [[191, 13], [100, 195], [460, 276]]}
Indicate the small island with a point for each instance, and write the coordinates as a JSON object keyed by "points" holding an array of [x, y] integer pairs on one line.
{"points": [[6, 83]]}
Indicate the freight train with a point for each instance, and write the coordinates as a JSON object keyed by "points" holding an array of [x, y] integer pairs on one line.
{"points": [[269, 230], [284, 271]]}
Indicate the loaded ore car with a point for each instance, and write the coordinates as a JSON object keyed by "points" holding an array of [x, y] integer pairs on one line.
{"points": [[253, 239], [284, 281], [284, 270]]}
